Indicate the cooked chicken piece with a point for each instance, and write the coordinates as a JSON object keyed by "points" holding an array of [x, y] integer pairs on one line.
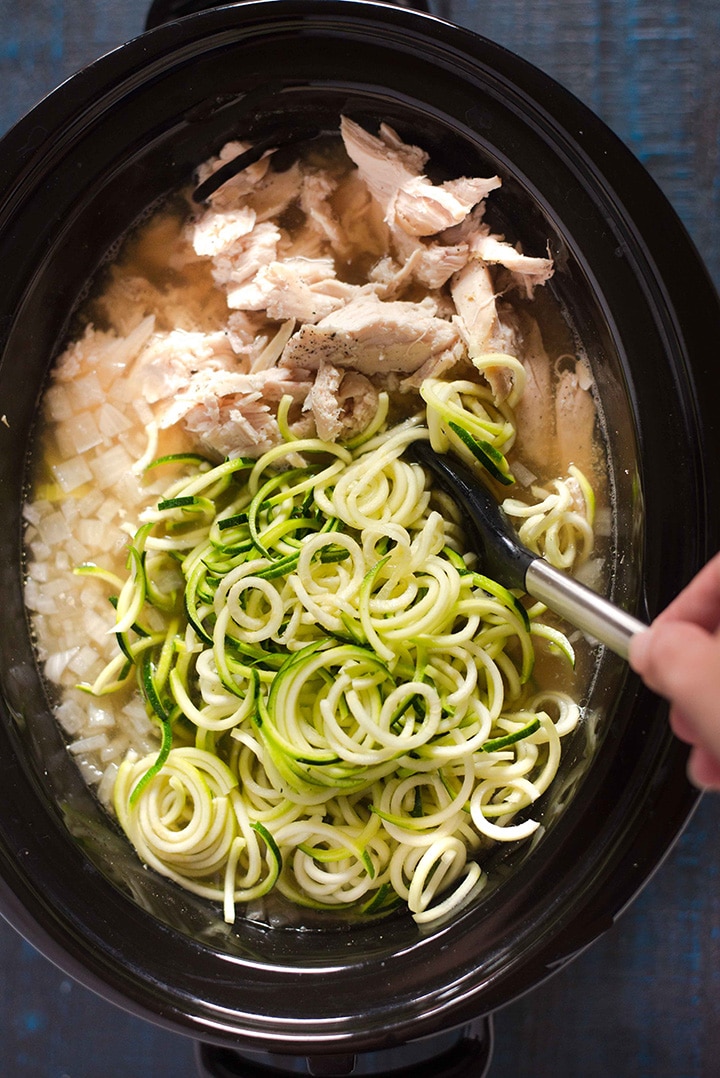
{"points": [[393, 172], [272, 195], [481, 325], [430, 264], [170, 361], [270, 353], [233, 190], [231, 429], [374, 337], [317, 188], [358, 398], [364, 233], [249, 334], [437, 264], [534, 412], [474, 298], [271, 385], [233, 413], [384, 163], [427, 264], [527, 272], [464, 232], [421, 208], [216, 233], [302, 288], [234, 267], [574, 422], [391, 277], [435, 367], [258, 187], [341, 402], [415, 157]]}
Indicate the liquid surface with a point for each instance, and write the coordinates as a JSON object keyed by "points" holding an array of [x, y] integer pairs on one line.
{"points": [[173, 306]]}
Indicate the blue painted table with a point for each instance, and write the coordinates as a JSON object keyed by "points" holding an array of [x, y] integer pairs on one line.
{"points": [[644, 1001]]}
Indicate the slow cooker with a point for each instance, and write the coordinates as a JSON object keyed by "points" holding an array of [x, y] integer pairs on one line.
{"points": [[75, 174]]}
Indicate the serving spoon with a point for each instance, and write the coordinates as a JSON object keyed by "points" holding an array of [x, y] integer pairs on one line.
{"points": [[506, 559]]}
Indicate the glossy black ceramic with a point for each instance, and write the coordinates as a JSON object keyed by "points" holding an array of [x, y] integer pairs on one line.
{"points": [[74, 175]]}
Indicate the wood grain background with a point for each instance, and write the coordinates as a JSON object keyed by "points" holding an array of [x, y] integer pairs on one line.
{"points": [[644, 1001]]}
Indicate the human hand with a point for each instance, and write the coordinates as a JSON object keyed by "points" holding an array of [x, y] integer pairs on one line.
{"points": [[679, 658]]}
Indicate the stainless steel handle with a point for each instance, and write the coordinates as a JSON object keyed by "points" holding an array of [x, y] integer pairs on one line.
{"points": [[582, 607]]}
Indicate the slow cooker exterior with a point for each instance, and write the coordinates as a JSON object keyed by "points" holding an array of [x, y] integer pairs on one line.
{"points": [[74, 175]]}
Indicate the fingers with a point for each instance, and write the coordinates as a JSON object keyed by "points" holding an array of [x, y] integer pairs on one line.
{"points": [[682, 727], [700, 601], [703, 769], [679, 658], [681, 662]]}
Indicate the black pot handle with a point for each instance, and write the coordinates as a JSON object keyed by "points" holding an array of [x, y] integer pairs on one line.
{"points": [[162, 11]]}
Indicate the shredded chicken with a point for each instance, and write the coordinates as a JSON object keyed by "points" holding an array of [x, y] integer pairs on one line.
{"points": [[341, 402], [528, 272], [473, 294], [171, 361], [244, 182], [374, 337], [574, 422], [302, 288], [218, 233], [339, 279], [393, 173], [233, 413], [534, 412]]}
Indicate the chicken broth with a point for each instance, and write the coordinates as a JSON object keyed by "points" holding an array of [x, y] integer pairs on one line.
{"points": [[281, 612]]}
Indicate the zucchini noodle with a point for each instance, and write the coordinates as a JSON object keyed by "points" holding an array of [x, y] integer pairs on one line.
{"points": [[464, 416], [558, 525], [346, 706]]}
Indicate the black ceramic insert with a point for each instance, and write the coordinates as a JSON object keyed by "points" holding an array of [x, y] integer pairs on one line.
{"points": [[74, 175]]}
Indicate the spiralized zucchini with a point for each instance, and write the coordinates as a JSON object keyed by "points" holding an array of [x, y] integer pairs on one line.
{"points": [[558, 524], [345, 703], [464, 416]]}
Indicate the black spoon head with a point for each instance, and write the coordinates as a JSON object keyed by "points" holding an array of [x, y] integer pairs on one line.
{"points": [[502, 556]]}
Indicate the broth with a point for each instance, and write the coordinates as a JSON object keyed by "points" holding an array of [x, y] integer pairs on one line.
{"points": [[90, 487]]}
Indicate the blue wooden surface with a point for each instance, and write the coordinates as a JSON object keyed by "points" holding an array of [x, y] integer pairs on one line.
{"points": [[644, 1001]]}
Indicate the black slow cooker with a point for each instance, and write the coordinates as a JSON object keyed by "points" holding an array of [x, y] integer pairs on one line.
{"points": [[75, 174]]}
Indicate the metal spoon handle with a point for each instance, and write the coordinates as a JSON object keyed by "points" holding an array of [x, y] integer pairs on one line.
{"points": [[582, 607], [503, 557]]}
